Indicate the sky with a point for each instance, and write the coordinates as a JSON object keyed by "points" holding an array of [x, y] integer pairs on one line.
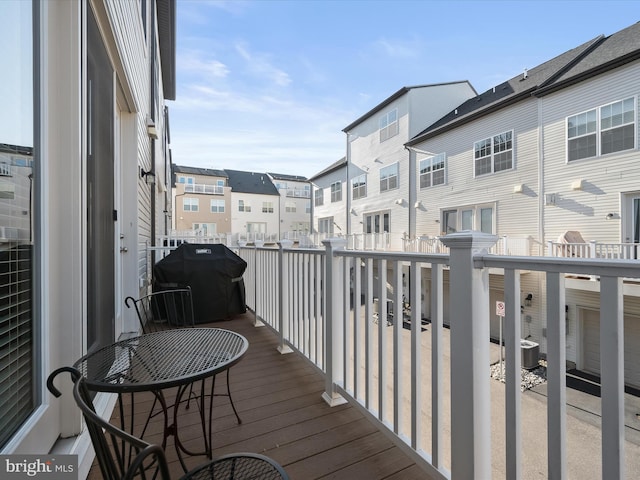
{"points": [[268, 86]]}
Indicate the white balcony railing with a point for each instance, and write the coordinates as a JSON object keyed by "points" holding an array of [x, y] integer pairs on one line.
{"points": [[594, 249], [202, 188], [321, 302]]}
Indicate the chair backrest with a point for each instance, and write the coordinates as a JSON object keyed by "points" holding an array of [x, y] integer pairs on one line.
{"points": [[165, 309], [121, 456]]}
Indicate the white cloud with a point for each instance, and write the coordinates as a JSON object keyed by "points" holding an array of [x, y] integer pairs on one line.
{"points": [[192, 63], [397, 48], [261, 66]]}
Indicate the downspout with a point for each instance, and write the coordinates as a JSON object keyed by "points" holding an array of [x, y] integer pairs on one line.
{"points": [[348, 186], [152, 114], [413, 196]]}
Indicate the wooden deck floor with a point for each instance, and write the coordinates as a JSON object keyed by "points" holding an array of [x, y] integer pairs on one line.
{"points": [[284, 417]]}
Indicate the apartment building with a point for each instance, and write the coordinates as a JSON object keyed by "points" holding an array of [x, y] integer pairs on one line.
{"points": [[329, 190], [84, 155], [201, 201]]}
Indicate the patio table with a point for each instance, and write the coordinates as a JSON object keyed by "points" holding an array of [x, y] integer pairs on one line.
{"points": [[157, 361]]}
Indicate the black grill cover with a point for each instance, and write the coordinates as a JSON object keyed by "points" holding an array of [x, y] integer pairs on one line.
{"points": [[214, 274]]}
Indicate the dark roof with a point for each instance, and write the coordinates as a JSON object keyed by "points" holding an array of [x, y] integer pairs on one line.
{"points": [[16, 149], [284, 176], [394, 97], [167, 39], [212, 172], [511, 91], [612, 52], [250, 182], [334, 166]]}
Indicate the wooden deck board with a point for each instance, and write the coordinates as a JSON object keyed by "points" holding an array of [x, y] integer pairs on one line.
{"points": [[278, 398]]}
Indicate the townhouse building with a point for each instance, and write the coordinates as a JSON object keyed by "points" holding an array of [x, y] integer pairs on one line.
{"points": [[294, 205], [84, 156], [201, 201], [329, 188], [377, 163], [547, 161]]}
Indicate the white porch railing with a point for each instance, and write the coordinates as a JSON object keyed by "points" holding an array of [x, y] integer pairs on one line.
{"points": [[504, 246], [321, 303], [594, 249], [203, 188]]}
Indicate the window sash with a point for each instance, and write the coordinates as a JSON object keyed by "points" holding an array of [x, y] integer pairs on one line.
{"points": [[359, 187], [493, 154], [432, 171], [389, 177], [318, 197], [336, 192], [217, 206]]}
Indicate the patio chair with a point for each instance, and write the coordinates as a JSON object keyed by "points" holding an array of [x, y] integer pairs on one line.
{"points": [[171, 307], [122, 456]]}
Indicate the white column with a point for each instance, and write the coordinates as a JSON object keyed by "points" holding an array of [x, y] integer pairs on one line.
{"points": [[470, 390], [283, 297], [334, 356]]}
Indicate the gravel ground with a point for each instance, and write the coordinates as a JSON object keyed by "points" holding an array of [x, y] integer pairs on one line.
{"points": [[530, 378]]}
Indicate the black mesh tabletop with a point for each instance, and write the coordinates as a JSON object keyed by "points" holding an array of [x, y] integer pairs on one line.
{"points": [[245, 466], [162, 359]]}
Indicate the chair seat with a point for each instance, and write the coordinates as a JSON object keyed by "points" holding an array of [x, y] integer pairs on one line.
{"points": [[245, 466]]}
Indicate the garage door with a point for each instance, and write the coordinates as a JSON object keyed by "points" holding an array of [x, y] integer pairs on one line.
{"points": [[591, 346]]}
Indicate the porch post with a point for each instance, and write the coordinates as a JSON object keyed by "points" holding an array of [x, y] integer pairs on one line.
{"points": [[256, 322], [283, 296], [470, 390], [334, 322]]}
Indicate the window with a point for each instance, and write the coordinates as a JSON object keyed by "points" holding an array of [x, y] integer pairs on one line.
{"points": [[432, 171], [182, 179], [220, 183], [318, 197], [325, 225], [217, 206], [336, 192], [242, 207], [190, 204], [477, 217], [616, 130], [389, 125], [308, 206], [290, 207], [267, 207], [389, 177], [378, 222], [205, 228], [494, 154], [359, 186]]}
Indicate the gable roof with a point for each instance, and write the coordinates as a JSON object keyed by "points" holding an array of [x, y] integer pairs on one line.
{"points": [[613, 51], [211, 172], [334, 166], [513, 90], [284, 176], [251, 182], [394, 97]]}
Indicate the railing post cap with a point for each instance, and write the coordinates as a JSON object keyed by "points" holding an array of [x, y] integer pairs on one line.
{"points": [[285, 243], [469, 239], [258, 243], [335, 243]]}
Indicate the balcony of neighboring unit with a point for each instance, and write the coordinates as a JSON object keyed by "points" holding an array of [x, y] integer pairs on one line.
{"points": [[204, 188]]}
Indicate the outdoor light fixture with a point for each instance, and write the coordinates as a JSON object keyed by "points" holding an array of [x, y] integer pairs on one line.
{"points": [[149, 177], [528, 299], [609, 216], [151, 129]]}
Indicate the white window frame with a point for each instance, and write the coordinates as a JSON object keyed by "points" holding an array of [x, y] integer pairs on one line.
{"points": [[217, 206], [359, 187], [185, 179], [192, 203], [267, 207], [388, 124], [325, 225], [336, 192], [594, 128], [485, 150], [290, 207], [318, 197], [244, 207], [469, 217], [389, 177], [432, 171]]}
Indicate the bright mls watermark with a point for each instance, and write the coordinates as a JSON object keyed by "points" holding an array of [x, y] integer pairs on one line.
{"points": [[53, 467]]}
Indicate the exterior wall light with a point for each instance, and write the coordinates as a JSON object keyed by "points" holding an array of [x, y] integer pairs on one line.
{"points": [[149, 177], [528, 299]]}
